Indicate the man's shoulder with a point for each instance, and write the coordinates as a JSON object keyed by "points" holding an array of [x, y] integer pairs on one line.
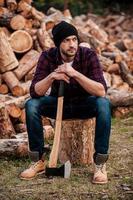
{"points": [[86, 50], [50, 53]]}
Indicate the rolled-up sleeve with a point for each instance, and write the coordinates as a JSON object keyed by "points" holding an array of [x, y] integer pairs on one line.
{"points": [[42, 70], [95, 72]]}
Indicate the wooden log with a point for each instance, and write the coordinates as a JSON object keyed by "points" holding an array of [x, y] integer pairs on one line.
{"points": [[105, 62], [118, 98], [6, 127], [124, 44], [3, 89], [53, 15], [30, 74], [36, 23], [3, 11], [122, 112], [77, 141], [16, 147], [27, 62], [10, 79], [96, 32], [22, 117], [48, 132], [85, 44], [13, 110], [31, 31], [116, 80], [25, 9], [85, 37], [113, 56], [27, 1], [8, 60], [2, 3], [6, 31], [19, 101], [17, 22], [21, 89], [0, 79], [37, 46], [20, 128], [125, 73], [20, 41], [28, 24], [67, 15], [49, 24], [107, 78], [44, 39], [11, 5], [124, 87], [37, 14], [114, 68]]}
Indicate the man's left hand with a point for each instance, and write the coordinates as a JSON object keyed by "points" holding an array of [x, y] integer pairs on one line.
{"points": [[67, 69]]}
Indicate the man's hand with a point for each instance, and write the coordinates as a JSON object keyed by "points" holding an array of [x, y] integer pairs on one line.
{"points": [[67, 69], [60, 76]]}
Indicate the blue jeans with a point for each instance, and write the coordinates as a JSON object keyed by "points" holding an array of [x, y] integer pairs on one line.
{"points": [[80, 108]]}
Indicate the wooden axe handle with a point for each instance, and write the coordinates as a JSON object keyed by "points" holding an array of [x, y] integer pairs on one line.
{"points": [[55, 148]]}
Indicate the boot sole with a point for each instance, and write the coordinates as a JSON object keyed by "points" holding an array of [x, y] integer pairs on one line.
{"points": [[99, 182], [22, 178]]}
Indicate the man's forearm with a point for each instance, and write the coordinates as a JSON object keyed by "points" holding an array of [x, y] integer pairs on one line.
{"points": [[42, 86], [89, 85]]}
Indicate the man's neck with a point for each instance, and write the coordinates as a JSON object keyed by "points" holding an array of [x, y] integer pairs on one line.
{"points": [[67, 59]]}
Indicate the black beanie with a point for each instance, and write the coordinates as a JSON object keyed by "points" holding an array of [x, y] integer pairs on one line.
{"points": [[63, 30]]}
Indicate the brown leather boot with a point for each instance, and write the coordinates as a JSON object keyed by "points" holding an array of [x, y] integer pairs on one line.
{"points": [[34, 169], [100, 173]]}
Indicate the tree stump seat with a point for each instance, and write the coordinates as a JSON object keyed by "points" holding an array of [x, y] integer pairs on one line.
{"points": [[76, 142]]}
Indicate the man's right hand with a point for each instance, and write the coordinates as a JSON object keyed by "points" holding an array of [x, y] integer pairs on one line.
{"points": [[60, 76]]}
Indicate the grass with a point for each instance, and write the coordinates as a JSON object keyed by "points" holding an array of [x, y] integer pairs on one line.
{"points": [[79, 186]]}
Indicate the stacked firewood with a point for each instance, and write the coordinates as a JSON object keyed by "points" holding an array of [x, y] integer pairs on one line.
{"points": [[25, 32]]}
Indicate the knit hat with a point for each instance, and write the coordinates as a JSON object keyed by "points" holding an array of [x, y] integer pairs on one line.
{"points": [[63, 30]]}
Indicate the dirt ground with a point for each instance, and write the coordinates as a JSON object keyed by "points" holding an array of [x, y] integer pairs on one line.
{"points": [[79, 186]]}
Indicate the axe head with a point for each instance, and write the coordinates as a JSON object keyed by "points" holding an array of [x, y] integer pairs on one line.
{"points": [[63, 171]]}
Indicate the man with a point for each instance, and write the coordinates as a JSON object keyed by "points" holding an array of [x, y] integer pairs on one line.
{"points": [[84, 97]]}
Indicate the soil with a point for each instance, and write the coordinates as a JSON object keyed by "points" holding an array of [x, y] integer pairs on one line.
{"points": [[78, 186]]}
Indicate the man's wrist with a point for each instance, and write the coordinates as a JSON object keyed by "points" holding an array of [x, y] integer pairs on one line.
{"points": [[51, 77], [75, 74]]}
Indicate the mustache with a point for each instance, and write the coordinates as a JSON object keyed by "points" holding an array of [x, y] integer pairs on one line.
{"points": [[71, 48]]}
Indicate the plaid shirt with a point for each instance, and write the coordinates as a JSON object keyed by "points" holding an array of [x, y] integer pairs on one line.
{"points": [[85, 61]]}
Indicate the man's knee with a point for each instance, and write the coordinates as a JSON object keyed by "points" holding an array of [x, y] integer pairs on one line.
{"points": [[103, 104], [31, 106]]}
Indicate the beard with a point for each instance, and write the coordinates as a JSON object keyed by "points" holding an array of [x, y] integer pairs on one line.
{"points": [[69, 52]]}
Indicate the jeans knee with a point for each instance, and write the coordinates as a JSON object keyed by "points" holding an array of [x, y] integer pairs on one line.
{"points": [[103, 105], [31, 107]]}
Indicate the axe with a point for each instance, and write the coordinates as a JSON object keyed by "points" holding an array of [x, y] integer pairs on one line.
{"points": [[52, 169]]}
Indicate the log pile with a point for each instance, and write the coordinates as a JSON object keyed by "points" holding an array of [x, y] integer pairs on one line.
{"points": [[25, 32]]}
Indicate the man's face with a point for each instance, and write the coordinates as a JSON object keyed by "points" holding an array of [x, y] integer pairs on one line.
{"points": [[69, 46]]}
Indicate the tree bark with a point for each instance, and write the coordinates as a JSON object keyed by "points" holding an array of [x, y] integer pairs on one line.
{"points": [[8, 60], [10, 79], [2, 3], [77, 141], [119, 98], [27, 62], [16, 147], [6, 127], [125, 74]]}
